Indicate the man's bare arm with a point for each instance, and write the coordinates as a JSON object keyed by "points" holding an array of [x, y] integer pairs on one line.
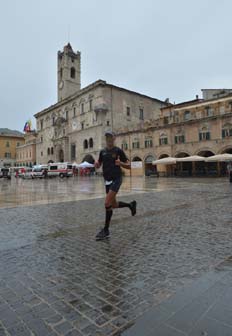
{"points": [[126, 165], [97, 164]]}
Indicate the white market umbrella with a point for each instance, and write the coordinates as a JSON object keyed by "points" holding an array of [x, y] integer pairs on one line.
{"points": [[193, 158], [166, 161], [219, 158], [85, 164]]}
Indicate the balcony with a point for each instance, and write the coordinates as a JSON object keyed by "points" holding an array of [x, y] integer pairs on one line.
{"points": [[102, 107]]}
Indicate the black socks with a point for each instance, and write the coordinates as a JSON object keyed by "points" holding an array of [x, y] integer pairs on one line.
{"points": [[124, 205], [109, 213]]}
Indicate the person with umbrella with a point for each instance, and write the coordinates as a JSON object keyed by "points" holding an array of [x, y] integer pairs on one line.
{"points": [[112, 158]]}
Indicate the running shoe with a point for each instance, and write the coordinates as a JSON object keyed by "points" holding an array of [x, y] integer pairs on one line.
{"points": [[133, 206], [103, 234]]}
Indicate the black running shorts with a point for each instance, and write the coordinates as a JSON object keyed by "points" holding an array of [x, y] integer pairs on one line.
{"points": [[115, 185]]}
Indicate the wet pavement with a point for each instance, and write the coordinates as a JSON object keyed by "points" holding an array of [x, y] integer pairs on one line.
{"points": [[19, 192], [55, 279], [200, 309]]}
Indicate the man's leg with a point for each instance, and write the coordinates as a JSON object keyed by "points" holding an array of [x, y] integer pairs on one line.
{"points": [[131, 206], [109, 201]]}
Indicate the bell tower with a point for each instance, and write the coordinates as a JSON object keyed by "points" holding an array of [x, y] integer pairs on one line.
{"points": [[68, 72]]}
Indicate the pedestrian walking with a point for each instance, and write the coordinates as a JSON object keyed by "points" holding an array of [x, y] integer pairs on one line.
{"points": [[45, 173], [112, 158]]}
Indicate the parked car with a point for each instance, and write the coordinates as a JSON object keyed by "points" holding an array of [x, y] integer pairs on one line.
{"points": [[5, 173], [61, 169]]}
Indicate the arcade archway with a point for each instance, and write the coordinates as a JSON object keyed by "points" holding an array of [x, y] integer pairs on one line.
{"points": [[88, 158], [181, 155], [149, 168], [136, 159], [162, 156], [227, 150], [206, 168], [205, 153], [183, 168]]}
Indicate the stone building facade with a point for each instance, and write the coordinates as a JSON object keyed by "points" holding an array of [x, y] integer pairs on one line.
{"points": [[9, 141], [26, 153], [147, 128], [198, 127], [73, 128]]}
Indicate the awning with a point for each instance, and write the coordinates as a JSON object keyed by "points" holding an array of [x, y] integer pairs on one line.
{"points": [[165, 161], [84, 165], [193, 158], [219, 158]]}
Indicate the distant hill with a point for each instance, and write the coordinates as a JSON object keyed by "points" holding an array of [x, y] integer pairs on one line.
{"points": [[7, 131]]}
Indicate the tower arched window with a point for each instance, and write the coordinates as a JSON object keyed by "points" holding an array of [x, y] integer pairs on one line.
{"points": [[91, 143], [85, 144], [48, 151], [73, 72], [52, 151]]}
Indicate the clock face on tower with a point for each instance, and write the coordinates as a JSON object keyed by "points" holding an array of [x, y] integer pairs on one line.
{"points": [[74, 125], [61, 84]]}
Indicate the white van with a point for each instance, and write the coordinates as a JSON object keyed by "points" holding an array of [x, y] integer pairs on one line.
{"points": [[61, 169], [38, 171]]}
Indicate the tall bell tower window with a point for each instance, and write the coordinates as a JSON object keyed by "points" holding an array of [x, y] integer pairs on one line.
{"points": [[73, 72]]}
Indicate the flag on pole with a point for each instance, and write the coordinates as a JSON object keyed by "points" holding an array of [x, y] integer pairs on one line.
{"points": [[27, 126]]}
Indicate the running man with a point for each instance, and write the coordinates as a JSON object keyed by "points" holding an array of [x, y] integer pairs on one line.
{"points": [[112, 158]]}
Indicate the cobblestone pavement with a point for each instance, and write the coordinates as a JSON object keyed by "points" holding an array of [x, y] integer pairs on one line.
{"points": [[55, 279], [200, 309]]}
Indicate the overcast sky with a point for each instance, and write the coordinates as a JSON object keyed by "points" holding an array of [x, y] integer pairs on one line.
{"points": [[162, 48]]}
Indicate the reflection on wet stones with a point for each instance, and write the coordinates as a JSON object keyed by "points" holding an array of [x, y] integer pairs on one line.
{"points": [[79, 286]]}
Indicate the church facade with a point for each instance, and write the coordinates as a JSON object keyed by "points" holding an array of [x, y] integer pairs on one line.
{"points": [[73, 128]]}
